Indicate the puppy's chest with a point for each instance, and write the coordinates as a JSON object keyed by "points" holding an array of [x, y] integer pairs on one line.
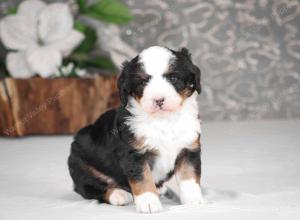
{"points": [[167, 138]]}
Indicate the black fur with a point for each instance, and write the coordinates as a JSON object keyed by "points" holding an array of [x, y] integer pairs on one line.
{"points": [[104, 146], [193, 158], [186, 72], [132, 80]]}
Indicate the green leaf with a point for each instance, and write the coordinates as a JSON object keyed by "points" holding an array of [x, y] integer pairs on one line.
{"points": [[12, 11], [79, 26], [101, 63], [84, 61], [88, 44], [113, 11], [82, 5], [3, 71]]}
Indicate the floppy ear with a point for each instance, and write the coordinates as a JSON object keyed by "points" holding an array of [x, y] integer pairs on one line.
{"points": [[123, 85], [193, 68], [197, 74]]}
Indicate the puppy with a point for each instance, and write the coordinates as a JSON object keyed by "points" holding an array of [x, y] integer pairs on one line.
{"points": [[129, 152]]}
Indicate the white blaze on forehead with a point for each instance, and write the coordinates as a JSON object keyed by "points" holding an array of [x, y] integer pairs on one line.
{"points": [[156, 60]]}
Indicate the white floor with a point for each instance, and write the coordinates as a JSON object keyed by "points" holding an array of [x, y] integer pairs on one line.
{"points": [[251, 170]]}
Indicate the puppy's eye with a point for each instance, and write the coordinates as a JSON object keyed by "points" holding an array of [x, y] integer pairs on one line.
{"points": [[173, 79]]}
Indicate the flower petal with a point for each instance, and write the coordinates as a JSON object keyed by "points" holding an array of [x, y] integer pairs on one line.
{"points": [[66, 45], [17, 65], [30, 9], [44, 60], [55, 22], [17, 32]]}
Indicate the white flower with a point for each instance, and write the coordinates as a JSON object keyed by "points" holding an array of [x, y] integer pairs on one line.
{"points": [[80, 72], [70, 70], [40, 36]]}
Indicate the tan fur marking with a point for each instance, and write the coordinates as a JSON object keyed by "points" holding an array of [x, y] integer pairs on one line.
{"points": [[107, 194], [145, 185], [101, 176], [196, 144], [138, 99], [142, 76], [138, 144], [184, 94], [185, 170]]}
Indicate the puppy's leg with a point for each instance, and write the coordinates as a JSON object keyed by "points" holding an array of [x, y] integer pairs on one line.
{"points": [[141, 183], [187, 172], [94, 184], [145, 192], [113, 195]]}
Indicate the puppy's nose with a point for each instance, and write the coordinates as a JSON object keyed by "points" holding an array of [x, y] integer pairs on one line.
{"points": [[159, 101]]}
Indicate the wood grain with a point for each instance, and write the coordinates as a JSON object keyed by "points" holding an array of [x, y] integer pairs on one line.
{"points": [[53, 106]]}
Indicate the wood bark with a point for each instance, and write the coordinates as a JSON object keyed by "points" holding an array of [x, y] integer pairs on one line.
{"points": [[53, 106]]}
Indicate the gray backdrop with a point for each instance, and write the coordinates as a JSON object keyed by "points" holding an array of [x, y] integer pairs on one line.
{"points": [[248, 51]]}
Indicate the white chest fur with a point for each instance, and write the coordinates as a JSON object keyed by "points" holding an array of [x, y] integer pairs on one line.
{"points": [[166, 135]]}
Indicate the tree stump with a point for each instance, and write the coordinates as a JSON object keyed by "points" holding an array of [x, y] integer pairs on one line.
{"points": [[53, 106]]}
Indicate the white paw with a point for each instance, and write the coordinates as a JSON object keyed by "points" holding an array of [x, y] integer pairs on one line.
{"points": [[147, 203], [120, 197], [195, 198], [190, 193]]}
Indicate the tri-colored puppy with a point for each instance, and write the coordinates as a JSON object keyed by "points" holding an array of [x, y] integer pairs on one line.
{"points": [[129, 152]]}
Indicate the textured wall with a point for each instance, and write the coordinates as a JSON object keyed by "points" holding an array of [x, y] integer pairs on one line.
{"points": [[248, 51]]}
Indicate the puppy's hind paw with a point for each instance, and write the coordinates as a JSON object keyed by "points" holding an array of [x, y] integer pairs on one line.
{"points": [[120, 197]]}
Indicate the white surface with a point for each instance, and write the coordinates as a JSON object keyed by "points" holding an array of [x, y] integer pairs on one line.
{"points": [[251, 170]]}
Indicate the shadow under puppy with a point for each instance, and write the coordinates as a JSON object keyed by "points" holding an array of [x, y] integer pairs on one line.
{"points": [[129, 152]]}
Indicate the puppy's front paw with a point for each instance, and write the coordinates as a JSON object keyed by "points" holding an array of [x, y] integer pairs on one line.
{"points": [[190, 193], [147, 203], [195, 198]]}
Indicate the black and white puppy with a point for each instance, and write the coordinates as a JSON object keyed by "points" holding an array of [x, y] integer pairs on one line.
{"points": [[129, 152]]}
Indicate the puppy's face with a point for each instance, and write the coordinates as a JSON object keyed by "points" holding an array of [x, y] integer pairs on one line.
{"points": [[159, 80]]}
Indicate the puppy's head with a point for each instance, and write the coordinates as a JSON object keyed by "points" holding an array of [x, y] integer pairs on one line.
{"points": [[159, 79]]}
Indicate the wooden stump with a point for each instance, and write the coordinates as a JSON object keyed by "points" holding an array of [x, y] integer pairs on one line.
{"points": [[53, 106]]}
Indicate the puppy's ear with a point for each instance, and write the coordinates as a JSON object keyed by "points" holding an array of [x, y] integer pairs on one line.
{"points": [[123, 84], [193, 68], [185, 53], [197, 73]]}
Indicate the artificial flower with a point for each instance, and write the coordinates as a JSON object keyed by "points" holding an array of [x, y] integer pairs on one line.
{"points": [[39, 36]]}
